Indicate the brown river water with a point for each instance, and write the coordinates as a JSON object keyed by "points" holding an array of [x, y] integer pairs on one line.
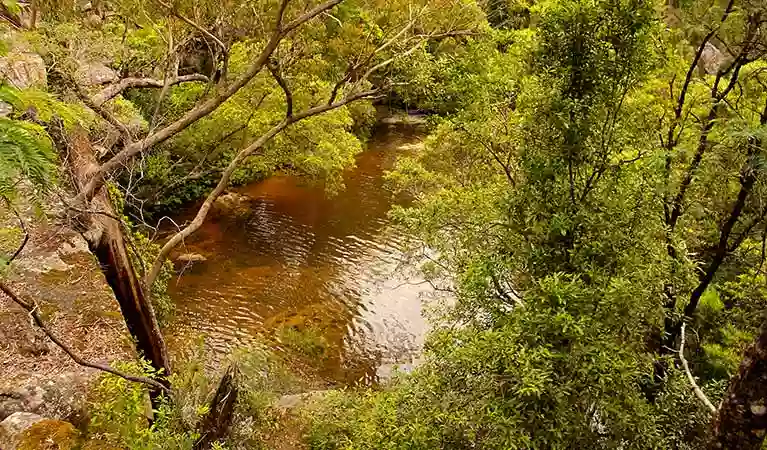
{"points": [[303, 263]]}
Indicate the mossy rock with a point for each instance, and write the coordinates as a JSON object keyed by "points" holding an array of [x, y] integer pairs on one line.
{"points": [[49, 434]]}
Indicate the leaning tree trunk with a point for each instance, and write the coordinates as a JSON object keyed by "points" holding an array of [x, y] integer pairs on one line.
{"points": [[98, 223], [741, 420]]}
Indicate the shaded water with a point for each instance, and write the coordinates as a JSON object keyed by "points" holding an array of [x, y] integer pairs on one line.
{"points": [[301, 263]]}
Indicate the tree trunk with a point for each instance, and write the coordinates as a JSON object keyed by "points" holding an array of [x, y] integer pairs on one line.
{"points": [[216, 423], [741, 420], [98, 223]]}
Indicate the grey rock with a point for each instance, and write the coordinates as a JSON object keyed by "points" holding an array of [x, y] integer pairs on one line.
{"points": [[94, 74], [711, 59], [232, 204], [59, 397], [23, 70], [191, 257], [297, 400], [12, 427]]}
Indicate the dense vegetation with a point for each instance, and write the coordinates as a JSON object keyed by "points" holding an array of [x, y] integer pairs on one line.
{"points": [[592, 191]]}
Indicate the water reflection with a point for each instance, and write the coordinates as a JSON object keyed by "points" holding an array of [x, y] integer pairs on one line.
{"points": [[303, 260]]}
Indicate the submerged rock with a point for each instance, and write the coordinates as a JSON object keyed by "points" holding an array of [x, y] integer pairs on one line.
{"points": [[191, 257], [232, 204]]}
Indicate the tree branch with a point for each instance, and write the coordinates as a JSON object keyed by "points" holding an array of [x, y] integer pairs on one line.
{"points": [[208, 106], [226, 175], [116, 89], [194, 25], [695, 388], [33, 310], [275, 70]]}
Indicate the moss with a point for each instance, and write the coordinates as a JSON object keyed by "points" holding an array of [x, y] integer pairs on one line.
{"points": [[49, 435], [10, 238]]}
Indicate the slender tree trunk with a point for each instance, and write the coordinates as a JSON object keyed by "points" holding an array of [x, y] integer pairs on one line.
{"points": [[741, 420], [99, 225]]}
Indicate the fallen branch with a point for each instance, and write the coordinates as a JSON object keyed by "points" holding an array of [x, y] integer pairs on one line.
{"points": [[695, 388], [33, 310]]}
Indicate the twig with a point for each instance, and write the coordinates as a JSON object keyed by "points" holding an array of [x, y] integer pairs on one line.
{"points": [[23, 228], [32, 308], [698, 392]]}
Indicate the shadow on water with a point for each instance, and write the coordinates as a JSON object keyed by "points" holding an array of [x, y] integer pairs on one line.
{"points": [[310, 272]]}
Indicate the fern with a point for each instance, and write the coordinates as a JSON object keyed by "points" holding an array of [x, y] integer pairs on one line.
{"points": [[26, 153], [45, 105]]}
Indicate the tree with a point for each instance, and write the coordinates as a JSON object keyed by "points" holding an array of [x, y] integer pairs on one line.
{"points": [[247, 67]]}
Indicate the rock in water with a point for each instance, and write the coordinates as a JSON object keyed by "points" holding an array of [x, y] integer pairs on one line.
{"points": [[232, 204], [191, 257]]}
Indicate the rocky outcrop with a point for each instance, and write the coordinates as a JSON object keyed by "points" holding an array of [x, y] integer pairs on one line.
{"points": [[94, 74], [26, 431], [60, 397], [23, 70]]}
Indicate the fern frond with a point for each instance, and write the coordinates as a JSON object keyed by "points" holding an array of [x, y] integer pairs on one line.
{"points": [[26, 153]]}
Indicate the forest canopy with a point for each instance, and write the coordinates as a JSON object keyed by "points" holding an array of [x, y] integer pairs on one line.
{"points": [[589, 192]]}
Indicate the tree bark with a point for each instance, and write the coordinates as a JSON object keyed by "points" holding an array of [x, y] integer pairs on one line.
{"points": [[216, 423], [741, 421], [100, 226]]}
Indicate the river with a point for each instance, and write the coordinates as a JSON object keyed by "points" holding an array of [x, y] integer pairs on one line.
{"points": [[302, 267]]}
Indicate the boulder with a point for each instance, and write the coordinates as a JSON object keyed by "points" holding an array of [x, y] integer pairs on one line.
{"points": [[12, 427], [23, 431], [191, 257], [711, 59], [23, 70], [59, 397], [232, 204], [94, 74]]}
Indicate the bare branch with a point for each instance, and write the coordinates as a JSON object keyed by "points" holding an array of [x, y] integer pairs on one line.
{"points": [[194, 25], [106, 115], [305, 17], [275, 70], [33, 309], [695, 388], [116, 89]]}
